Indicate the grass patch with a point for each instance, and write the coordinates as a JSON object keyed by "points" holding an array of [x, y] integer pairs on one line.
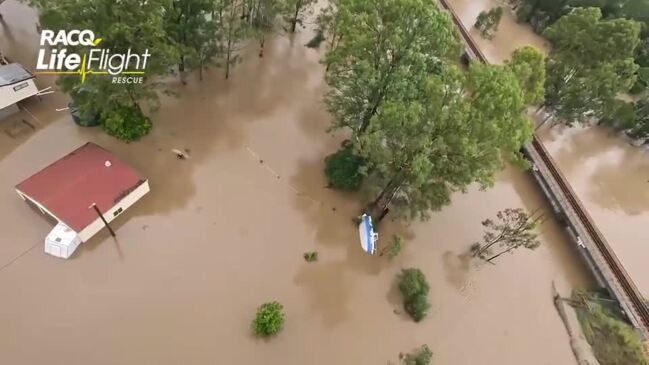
{"points": [[614, 342]]}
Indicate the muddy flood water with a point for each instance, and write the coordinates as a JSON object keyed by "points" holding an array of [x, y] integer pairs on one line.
{"points": [[610, 176], [225, 230]]}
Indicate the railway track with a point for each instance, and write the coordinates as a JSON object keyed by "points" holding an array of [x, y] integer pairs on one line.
{"points": [[632, 293]]}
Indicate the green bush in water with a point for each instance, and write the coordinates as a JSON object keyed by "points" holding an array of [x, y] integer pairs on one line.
{"points": [[269, 319], [127, 123], [414, 288], [342, 169]]}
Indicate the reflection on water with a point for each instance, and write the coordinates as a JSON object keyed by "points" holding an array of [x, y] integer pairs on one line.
{"points": [[612, 179], [225, 230]]}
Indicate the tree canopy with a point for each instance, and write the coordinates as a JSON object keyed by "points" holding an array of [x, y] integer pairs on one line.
{"points": [[528, 64], [590, 64], [458, 130], [388, 48], [194, 29], [121, 29]]}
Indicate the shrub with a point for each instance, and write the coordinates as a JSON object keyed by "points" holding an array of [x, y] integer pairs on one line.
{"points": [[413, 283], [311, 256], [414, 288], [127, 123], [395, 248], [421, 356], [614, 342], [524, 13], [343, 169], [269, 319], [487, 21], [417, 307]]}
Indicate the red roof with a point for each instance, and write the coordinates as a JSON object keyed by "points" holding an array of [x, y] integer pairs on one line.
{"points": [[69, 186]]}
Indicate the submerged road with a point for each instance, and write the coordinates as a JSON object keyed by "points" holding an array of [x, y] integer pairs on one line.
{"points": [[601, 259]]}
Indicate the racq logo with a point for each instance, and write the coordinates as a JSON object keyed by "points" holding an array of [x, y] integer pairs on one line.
{"points": [[125, 68]]}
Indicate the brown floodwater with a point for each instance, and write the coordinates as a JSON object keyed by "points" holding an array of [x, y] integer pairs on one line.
{"points": [[610, 176], [225, 230]]}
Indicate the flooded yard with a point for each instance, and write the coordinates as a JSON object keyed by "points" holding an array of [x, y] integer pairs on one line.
{"points": [[225, 230]]}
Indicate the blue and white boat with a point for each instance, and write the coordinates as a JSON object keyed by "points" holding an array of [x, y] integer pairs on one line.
{"points": [[367, 234]]}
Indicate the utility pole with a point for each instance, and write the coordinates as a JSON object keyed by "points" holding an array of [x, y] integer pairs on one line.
{"points": [[112, 233]]}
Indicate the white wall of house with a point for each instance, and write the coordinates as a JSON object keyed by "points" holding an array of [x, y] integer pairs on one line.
{"points": [[114, 211], [37, 204], [111, 214], [11, 94]]}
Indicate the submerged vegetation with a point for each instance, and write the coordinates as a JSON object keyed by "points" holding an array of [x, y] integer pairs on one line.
{"points": [[311, 256], [343, 169], [269, 319], [614, 341], [512, 229], [421, 356], [181, 35], [414, 288], [487, 22], [394, 249]]}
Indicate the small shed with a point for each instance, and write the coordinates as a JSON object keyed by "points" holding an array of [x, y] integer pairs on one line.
{"points": [[78, 190], [16, 84]]}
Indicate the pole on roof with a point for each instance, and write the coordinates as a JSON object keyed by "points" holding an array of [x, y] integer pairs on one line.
{"points": [[112, 233]]}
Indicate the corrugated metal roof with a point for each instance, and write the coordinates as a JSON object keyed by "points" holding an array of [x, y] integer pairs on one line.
{"points": [[13, 73], [69, 186]]}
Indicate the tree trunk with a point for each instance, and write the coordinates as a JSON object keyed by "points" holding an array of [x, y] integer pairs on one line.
{"points": [[227, 62], [380, 207], [261, 46], [499, 254], [181, 64], [298, 5]]}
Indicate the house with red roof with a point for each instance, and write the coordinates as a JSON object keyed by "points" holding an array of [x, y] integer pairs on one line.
{"points": [[83, 191]]}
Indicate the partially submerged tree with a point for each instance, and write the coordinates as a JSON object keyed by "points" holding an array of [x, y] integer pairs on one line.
{"points": [[388, 48], [262, 16], [640, 127], [512, 229], [528, 64], [590, 64], [194, 28], [234, 29], [121, 29], [459, 130], [328, 22], [394, 248], [295, 10], [487, 21], [421, 356]]}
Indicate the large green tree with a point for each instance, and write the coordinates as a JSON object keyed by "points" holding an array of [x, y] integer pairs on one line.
{"points": [[388, 48], [528, 64], [262, 16], [194, 28], [121, 29], [459, 129], [235, 30], [591, 62]]}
